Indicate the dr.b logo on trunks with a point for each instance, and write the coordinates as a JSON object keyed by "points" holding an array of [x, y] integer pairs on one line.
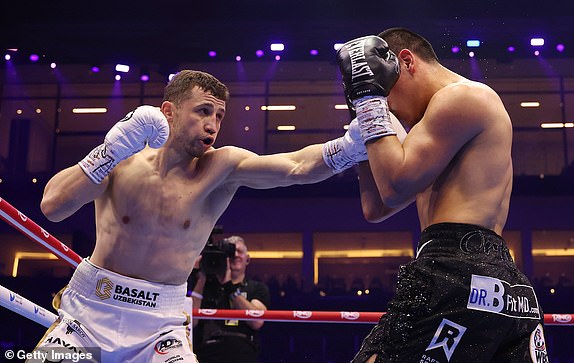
{"points": [[106, 289], [447, 337], [499, 297]]}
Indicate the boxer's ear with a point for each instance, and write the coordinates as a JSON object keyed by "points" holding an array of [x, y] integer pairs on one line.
{"points": [[168, 109]]}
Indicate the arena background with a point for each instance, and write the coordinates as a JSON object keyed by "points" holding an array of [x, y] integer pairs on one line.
{"points": [[316, 251]]}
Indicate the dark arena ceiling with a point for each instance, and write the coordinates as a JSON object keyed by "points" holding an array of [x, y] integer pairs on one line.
{"points": [[168, 31]]}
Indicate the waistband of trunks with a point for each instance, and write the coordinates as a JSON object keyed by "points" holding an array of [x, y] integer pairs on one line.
{"points": [[111, 288], [468, 238]]}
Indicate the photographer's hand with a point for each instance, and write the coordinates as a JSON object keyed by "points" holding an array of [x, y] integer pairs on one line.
{"points": [[227, 276]]}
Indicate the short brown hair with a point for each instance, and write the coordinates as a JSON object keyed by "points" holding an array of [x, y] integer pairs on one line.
{"points": [[178, 88], [402, 38]]}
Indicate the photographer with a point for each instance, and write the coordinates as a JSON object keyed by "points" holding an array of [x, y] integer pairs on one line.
{"points": [[221, 284]]}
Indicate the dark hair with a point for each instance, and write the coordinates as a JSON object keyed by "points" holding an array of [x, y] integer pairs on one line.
{"points": [[402, 38], [180, 86]]}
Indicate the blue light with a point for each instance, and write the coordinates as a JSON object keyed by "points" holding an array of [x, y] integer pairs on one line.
{"points": [[473, 43]]}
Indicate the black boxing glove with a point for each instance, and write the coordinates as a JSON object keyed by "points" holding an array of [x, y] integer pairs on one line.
{"points": [[368, 66], [369, 69]]}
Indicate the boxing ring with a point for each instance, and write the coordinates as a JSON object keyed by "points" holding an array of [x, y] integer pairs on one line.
{"points": [[24, 307]]}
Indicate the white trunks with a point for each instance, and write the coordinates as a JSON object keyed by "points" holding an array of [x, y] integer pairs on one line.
{"points": [[120, 319]]}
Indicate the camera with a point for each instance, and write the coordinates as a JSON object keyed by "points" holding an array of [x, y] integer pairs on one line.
{"points": [[214, 255]]}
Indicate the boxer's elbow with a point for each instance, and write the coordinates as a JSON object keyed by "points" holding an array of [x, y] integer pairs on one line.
{"points": [[49, 210], [53, 209], [395, 195], [373, 214]]}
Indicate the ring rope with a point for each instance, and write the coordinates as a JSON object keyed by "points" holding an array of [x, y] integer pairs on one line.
{"points": [[18, 220], [22, 306], [326, 316]]}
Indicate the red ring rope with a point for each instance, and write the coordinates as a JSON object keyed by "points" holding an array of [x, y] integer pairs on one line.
{"points": [[18, 220], [327, 316], [24, 224]]}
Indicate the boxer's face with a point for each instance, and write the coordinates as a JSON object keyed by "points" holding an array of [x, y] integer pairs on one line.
{"points": [[399, 104], [196, 121], [405, 97]]}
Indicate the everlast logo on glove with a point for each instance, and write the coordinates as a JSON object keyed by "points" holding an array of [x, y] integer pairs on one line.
{"points": [[359, 66], [368, 67]]}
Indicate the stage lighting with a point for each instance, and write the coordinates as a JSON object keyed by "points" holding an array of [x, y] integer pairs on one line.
{"points": [[277, 47], [537, 42], [259, 53], [122, 68], [473, 43], [212, 53], [560, 48], [314, 52], [34, 57], [455, 49]]}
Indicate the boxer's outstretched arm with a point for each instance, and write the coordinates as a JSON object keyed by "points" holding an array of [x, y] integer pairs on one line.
{"points": [[303, 166]]}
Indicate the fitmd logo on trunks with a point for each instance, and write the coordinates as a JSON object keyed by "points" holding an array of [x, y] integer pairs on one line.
{"points": [[125, 294], [497, 296]]}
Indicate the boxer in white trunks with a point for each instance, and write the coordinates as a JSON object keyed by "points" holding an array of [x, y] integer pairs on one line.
{"points": [[159, 186]]}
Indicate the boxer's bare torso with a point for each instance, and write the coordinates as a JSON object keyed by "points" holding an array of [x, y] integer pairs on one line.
{"points": [[156, 210]]}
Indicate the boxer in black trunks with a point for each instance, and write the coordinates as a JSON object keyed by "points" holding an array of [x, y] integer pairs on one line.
{"points": [[462, 299], [463, 283]]}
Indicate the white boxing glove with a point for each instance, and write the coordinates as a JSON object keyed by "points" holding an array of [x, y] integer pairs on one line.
{"points": [[144, 125], [344, 152]]}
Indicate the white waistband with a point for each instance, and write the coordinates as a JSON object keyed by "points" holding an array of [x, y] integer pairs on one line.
{"points": [[111, 288]]}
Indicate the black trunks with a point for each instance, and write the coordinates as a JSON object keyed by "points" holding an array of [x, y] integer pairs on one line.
{"points": [[462, 299]]}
